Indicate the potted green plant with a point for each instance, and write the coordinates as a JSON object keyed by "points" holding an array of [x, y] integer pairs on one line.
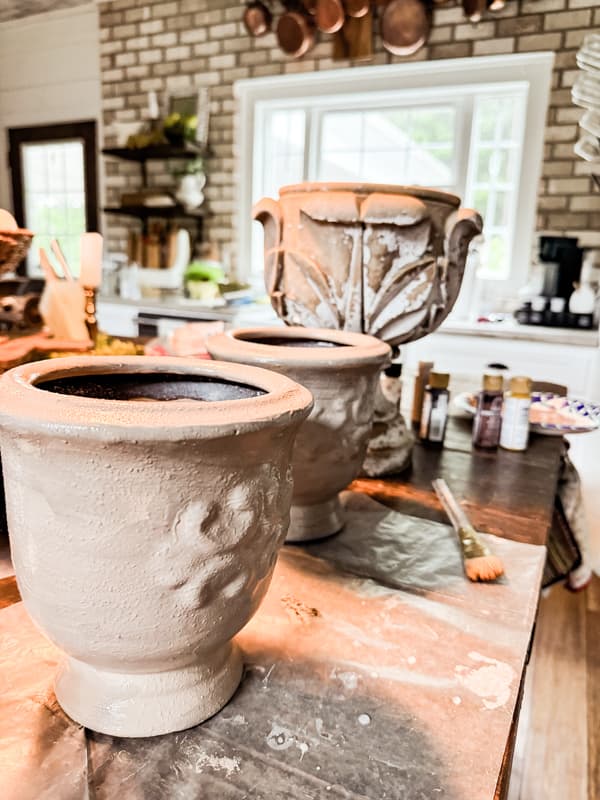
{"points": [[202, 279]]}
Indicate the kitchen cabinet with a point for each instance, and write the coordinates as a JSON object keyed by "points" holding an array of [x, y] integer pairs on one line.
{"points": [[157, 318]]}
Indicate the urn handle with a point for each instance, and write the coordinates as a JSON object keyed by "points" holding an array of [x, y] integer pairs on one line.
{"points": [[268, 212], [468, 224]]}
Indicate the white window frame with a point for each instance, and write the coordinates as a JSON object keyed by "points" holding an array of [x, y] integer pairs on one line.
{"points": [[372, 85]]}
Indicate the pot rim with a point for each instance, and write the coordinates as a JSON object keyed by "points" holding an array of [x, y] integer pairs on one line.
{"points": [[26, 408], [360, 348], [370, 188]]}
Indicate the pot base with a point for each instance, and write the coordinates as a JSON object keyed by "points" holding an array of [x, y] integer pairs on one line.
{"points": [[316, 521], [148, 704]]}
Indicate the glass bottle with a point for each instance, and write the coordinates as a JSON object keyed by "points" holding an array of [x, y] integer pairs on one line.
{"points": [[514, 434], [488, 418], [435, 409]]}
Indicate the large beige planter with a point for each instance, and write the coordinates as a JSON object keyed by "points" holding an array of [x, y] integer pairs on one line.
{"points": [[379, 259], [341, 370], [144, 534]]}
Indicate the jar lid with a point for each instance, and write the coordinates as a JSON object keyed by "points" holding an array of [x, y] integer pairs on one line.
{"points": [[520, 385], [439, 380], [493, 383]]}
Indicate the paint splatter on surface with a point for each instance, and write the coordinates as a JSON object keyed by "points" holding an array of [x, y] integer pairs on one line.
{"points": [[348, 679], [218, 763], [491, 682], [297, 610], [280, 738]]}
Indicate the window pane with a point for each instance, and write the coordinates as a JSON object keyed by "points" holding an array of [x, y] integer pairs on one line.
{"points": [[279, 150], [342, 131], [282, 151], [54, 196], [493, 176], [401, 145]]}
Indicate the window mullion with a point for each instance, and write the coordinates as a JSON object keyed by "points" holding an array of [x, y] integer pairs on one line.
{"points": [[464, 144], [314, 121]]}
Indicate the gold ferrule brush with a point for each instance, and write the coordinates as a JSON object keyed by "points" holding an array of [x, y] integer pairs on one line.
{"points": [[472, 546], [479, 562]]}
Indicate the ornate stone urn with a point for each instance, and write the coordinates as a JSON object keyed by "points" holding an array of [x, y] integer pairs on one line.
{"points": [[147, 499], [377, 259], [341, 370]]}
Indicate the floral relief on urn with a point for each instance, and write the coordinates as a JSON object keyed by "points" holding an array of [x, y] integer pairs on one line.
{"points": [[377, 259]]}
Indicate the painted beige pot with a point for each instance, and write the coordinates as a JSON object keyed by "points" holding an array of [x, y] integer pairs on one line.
{"points": [[144, 534], [341, 370], [378, 259]]}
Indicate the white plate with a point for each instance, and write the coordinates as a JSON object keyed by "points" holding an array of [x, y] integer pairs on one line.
{"points": [[580, 415]]}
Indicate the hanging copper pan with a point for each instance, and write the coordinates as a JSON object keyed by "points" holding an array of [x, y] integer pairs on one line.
{"points": [[257, 18], [357, 8], [330, 15], [405, 26], [295, 33]]}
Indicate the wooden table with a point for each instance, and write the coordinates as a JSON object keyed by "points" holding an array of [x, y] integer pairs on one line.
{"points": [[505, 493], [363, 681]]}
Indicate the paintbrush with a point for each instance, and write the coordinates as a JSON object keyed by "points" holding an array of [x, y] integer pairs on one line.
{"points": [[479, 562]]}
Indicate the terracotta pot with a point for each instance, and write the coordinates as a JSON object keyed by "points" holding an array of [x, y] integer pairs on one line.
{"points": [[144, 534], [341, 370], [383, 260]]}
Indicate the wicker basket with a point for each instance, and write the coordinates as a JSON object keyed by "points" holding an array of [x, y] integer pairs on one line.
{"points": [[13, 248]]}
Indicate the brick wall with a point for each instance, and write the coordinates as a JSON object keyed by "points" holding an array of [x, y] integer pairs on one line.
{"points": [[153, 44]]}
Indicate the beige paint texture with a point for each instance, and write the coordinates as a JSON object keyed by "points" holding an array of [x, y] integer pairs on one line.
{"points": [[331, 444], [144, 535]]}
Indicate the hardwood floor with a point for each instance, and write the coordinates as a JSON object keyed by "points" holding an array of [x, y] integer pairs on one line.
{"points": [[557, 754]]}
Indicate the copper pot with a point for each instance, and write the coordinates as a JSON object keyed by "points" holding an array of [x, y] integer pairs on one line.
{"points": [[405, 26], [295, 33], [330, 15], [257, 18]]}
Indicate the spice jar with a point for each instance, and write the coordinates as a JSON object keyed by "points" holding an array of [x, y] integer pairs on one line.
{"points": [[435, 409], [488, 418], [514, 434]]}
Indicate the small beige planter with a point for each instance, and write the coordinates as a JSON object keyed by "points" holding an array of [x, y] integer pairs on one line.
{"points": [[341, 370], [144, 534]]}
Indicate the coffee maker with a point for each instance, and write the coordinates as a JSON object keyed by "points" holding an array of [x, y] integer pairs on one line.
{"points": [[562, 265], [561, 259]]}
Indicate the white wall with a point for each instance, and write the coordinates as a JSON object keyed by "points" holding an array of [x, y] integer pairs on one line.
{"points": [[49, 73]]}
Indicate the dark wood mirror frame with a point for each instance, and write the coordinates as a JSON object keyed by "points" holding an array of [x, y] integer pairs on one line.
{"points": [[84, 130]]}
